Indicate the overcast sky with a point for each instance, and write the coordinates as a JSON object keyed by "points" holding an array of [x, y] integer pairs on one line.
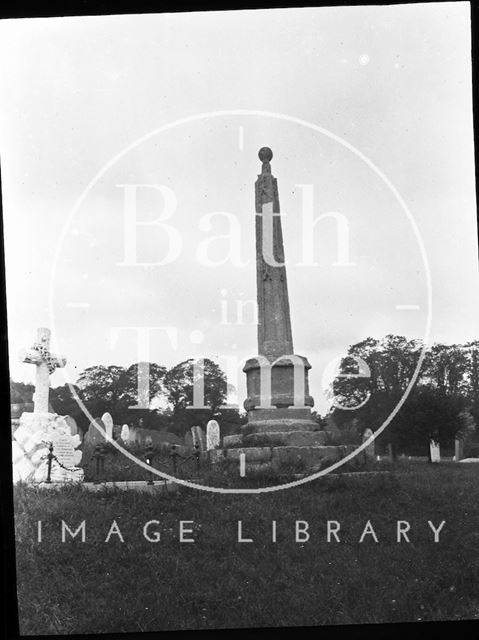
{"points": [[92, 97]]}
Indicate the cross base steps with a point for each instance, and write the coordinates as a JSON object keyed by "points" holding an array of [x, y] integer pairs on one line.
{"points": [[276, 438], [307, 458], [280, 419]]}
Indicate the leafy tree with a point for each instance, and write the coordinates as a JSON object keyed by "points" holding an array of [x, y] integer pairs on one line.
{"points": [[466, 424], [20, 392], [149, 375], [434, 406], [179, 383], [101, 389], [115, 389], [471, 350], [472, 354], [350, 388], [180, 379], [392, 361], [445, 368], [427, 414], [64, 402]]}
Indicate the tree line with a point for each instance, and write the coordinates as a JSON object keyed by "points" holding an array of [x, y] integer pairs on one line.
{"points": [[442, 404], [115, 389]]}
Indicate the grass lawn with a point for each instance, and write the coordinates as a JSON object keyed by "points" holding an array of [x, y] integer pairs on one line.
{"points": [[217, 582]]}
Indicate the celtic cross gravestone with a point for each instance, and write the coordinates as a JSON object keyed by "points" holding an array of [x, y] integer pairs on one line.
{"points": [[46, 363]]}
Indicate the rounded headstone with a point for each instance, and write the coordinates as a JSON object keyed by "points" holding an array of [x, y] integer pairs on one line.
{"points": [[369, 450], [108, 422], [95, 435], [125, 433], [212, 435]]}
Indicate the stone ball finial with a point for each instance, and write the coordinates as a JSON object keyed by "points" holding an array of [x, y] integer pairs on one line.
{"points": [[265, 154]]}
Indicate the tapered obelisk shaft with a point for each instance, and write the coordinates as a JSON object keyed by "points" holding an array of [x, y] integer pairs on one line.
{"points": [[274, 320], [276, 379]]}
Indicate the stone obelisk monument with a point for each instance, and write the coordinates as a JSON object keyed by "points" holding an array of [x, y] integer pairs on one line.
{"points": [[281, 433], [277, 379]]}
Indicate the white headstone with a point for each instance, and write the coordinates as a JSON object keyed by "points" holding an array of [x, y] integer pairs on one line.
{"points": [[125, 433], [132, 434], [458, 449], [108, 422], [212, 435], [369, 450], [435, 451]]}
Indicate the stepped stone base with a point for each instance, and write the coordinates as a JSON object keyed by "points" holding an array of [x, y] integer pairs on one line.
{"points": [[281, 439], [312, 458], [277, 438], [280, 419]]}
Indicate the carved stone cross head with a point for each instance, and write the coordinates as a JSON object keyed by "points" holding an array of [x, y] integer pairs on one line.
{"points": [[45, 363]]}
